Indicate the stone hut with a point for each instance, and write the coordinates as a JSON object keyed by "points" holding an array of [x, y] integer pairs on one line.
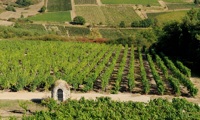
{"points": [[60, 90]]}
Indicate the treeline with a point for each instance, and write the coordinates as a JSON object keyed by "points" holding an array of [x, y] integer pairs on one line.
{"points": [[182, 39]]}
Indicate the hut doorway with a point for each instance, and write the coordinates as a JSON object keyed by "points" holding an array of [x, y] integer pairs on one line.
{"points": [[60, 94]]}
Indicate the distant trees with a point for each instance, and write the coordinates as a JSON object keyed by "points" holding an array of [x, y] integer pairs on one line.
{"points": [[143, 23], [182, 38], [196, 1], [79, 20]]}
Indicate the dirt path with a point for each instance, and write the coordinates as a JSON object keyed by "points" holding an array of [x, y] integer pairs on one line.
{"points": [[162, 3], [5, 23], [32, 10], [140, 11], [73, 13], [92, 95], [99, 3]]}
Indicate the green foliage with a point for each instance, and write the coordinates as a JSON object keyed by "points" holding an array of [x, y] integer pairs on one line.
{"points": [[143, 23], [131, 77], [122, 24], [156, 76], [145, 82], [181, 39], [11, 32], [43, 9], [10, 8], [123, 41], [105, 108], [196, 1], [79, 20], [24, 2]]}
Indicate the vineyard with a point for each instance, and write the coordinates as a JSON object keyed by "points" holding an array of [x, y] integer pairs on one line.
{"points": [[143, 2], [59, 5], [35, 65], [77, 2], [105, 108], [109, 15]]}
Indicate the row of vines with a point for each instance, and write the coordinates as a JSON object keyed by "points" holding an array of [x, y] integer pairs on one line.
{"points": [[33, 65], [105, 108]]}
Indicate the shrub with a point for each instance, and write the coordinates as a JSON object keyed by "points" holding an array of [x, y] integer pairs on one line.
{"points": [[10, 8], [43, 9], [122, 24], [24, 2], [79, 20], [143, 23]]}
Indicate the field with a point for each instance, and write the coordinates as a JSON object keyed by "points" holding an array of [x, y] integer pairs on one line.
{"points": [[77, 2], [177, 1], [181, 6], [171, 16], [33, 65], [108, 15], [59, 5], [52, 17], [143, 2]]}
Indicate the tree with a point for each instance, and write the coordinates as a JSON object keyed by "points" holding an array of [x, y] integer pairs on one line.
{"points": [[122, 24], [79, 20], [196, 1]]}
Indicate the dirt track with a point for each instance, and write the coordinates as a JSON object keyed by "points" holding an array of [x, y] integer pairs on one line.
{"points": [[30, 11], [91, 95]]}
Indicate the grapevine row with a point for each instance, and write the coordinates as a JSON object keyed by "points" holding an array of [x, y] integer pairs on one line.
{"points": [[183, 79], [159, 82], [145, 81], [131, 79]]}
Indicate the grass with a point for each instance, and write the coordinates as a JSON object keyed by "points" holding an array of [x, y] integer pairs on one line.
{"points": [[32, 26], [171, 16], [175, 1], [59, 5], [117, 33], [13, 105], [85, 2], [143, 2], [52, 17], [181, 6], [109, 15]]}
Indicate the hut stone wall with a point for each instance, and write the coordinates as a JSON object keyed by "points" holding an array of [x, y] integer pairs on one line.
{"points": [[58, 86]]}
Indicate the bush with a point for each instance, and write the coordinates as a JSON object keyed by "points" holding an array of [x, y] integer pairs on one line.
{"points": [[122, 24], [143, 23], [79, 20], [43, 9], [10, 8], [24, 2]]}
